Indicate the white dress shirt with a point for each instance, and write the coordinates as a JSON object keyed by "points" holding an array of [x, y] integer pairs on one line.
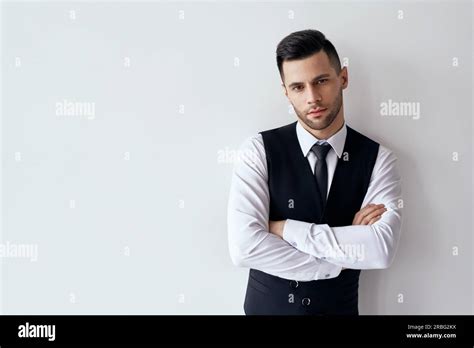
{"points": [[310, 251]]}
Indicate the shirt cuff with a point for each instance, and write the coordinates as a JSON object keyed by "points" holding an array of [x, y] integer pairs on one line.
{"points": [[328, 270], [295, 232]]}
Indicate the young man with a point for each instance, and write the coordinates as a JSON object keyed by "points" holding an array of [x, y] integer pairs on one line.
{"points": [[312, 202]]}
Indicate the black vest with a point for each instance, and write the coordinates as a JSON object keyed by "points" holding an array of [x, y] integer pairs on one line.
{"points": [[294, 195]]}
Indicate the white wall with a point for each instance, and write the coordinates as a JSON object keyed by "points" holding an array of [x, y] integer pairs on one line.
{"points": [[127, 206]]}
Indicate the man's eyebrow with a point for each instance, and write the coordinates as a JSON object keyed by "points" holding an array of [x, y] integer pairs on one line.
{"points": [[316, 78]]}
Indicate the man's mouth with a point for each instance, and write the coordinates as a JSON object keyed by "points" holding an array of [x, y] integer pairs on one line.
{"points": [[316, 112]]}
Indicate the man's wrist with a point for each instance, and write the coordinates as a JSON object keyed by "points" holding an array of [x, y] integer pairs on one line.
{"points": [[277, 227]]}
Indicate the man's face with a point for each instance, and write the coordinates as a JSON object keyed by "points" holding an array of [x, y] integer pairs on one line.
{"points": [[311, 83]]}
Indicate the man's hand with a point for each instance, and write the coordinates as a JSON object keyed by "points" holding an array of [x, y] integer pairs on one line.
{"points": [[276, 227], [369, 214]]}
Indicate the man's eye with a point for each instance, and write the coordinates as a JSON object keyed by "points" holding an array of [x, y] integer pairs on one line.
{"points": [[296, 88], [322, 80]]}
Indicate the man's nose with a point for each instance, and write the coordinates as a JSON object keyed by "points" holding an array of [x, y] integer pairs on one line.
{"points": [[313, 95]]}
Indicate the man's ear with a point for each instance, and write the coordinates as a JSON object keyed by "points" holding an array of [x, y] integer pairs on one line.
{"points": [[344, 75]]}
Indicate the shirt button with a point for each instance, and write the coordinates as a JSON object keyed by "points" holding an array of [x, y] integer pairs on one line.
{"points": [[327, 275], [306, 301]]}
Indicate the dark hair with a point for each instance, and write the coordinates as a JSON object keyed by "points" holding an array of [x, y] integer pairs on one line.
{"points": [[302, 44]]}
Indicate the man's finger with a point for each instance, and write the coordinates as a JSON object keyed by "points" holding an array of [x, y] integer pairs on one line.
{"points": [[366, 211], [375, 219], [375, 213]]}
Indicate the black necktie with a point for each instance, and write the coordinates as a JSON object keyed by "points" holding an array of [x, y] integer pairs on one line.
{"points": [[321, 169]]}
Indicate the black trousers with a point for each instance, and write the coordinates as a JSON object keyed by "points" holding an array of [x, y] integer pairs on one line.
{"points": [[270, 295]]}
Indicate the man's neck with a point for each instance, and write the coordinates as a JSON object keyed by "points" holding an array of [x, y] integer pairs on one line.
{"points": [[327, 132]]}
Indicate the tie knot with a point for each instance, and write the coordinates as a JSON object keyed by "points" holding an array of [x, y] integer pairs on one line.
{"points": [[321, 150]]}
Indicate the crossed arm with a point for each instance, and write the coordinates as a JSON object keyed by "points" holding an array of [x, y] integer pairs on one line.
{"points": [[307, 238], [303, 251]]}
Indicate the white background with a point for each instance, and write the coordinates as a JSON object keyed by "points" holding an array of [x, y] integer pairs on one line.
{"points": [[128, 208]]}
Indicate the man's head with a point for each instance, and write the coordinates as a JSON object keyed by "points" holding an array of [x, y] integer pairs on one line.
{"points": [[312, 78]]}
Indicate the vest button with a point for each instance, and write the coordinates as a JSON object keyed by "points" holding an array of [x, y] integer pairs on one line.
{"points": [[294, 284], [306, 301]]}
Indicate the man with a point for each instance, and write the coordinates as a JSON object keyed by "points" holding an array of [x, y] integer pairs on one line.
{"points": [[314, 202]]}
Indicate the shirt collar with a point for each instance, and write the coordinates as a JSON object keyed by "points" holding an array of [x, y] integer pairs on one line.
{"points": [[307, 140]]}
